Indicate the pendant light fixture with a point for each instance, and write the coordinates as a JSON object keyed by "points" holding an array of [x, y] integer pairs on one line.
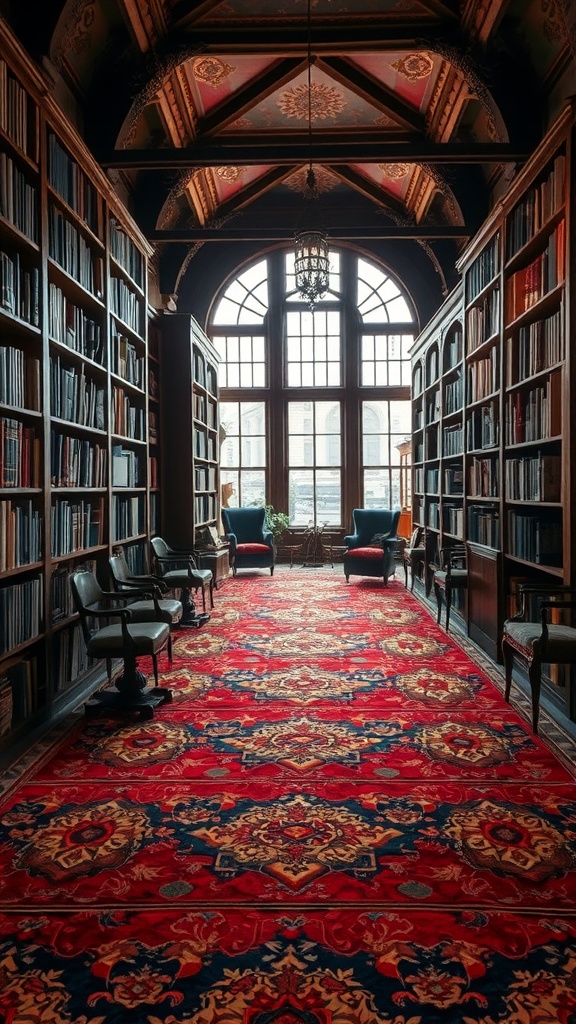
{"points": [[311, 255]]}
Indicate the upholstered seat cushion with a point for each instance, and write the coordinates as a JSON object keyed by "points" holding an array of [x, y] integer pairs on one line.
{"points": [[459, 577], [365, 552], [253, 549], [146, 610], [559, 648], [147, 637], [181, 578]]}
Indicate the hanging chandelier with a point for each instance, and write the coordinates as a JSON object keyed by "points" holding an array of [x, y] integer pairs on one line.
{"points": [[311, 255]]}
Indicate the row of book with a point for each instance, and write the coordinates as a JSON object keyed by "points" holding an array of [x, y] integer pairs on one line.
{"points": [[128, 420], [452, 351], [126, 362], [433, 407], [70, 325], [535, 347], [483, 376], [432, 480], [153, 471], [535, 539], [19, 378], [536, 207], [483, 320], [69, 249], [205, 508], [432, 370], [125, 253], [127, 516], [76, 461], [433, 515], [533, 478], [205, 478], [70, 182], [20, 454], [453, 395], [483, 427], [17, 113], [529, 284], [21, 613], [484, 526], [76, 397], [19, 288], [483, 478], [483, 270], [21, 693], [18, 198], [126, 468], [453, 480], [20, 534], [69, 658], [535, 414], [453, 519], [75, 525], [126, 304], [453, 440]]}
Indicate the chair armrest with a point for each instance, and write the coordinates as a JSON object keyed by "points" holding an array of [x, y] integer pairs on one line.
{"points": [[233, 541], [268, 537], [352, 540]]}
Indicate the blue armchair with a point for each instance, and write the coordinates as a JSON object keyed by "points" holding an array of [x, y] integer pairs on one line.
{"points": [[251, 542], [370, 549]]}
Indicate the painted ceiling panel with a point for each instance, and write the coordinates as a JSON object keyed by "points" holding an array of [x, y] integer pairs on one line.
{"points": [[214, 79], [265, 10], [410, 74], [333, 105]]}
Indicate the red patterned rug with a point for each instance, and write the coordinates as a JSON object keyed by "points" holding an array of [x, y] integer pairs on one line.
{"points": [[338, 821]]}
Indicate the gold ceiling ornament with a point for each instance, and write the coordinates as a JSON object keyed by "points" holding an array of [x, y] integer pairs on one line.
{"points": [[394, 171], [414, 66], [315, 102], [230, 173], [311, 253], [211, 70], [324, 181]]}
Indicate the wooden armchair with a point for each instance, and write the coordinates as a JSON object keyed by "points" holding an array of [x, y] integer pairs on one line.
{"points": [[539, 642], [124, 638], [450, 575]]}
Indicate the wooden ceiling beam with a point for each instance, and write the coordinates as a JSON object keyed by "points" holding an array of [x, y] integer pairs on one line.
{"points": [[341, 149], [375, 93], [225, 233], [247, 98]]}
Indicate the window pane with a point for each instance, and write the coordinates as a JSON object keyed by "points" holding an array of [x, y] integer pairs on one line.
{"points": [[314, 441], [376, 488], [328, 497], [301, 497], [312, 348], [243, 452]]}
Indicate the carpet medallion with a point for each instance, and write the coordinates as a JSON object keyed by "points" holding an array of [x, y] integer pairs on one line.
{"points": [[338, 821]]}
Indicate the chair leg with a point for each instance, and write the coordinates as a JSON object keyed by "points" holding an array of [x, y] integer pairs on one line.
{"points": [[438, 593], [170, 658], [406, 574], [155, 664], [109, 669], [212, 592], [508, 657], [535, 677], [448, 599], [271, 570]]}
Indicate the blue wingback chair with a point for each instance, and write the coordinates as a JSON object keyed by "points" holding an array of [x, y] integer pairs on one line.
{"points": [[251, 542], [371, 547]]}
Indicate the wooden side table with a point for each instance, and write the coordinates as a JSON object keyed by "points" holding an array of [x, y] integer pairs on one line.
{"points": [[218, 561]]}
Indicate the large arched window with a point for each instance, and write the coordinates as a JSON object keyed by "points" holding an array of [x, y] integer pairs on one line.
{"points": [[313, 404]]}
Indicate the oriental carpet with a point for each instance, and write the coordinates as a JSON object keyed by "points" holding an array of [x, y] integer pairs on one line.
{"points": [[338, 820]]}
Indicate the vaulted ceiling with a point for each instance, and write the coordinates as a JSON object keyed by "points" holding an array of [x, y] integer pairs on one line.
{"points": [[199, 111]]}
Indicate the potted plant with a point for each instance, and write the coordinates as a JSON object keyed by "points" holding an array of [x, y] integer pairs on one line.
{"points": [[277, 522]]}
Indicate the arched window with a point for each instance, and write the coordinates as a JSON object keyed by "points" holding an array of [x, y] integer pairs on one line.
{"points": [[313, 403]]}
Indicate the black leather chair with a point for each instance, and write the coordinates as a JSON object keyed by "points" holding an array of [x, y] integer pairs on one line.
{"points": [[413, 555], [450, 575], [370, 549], [540, 642], [120, 637], [144, 597], [179, 571], [251, 542]]}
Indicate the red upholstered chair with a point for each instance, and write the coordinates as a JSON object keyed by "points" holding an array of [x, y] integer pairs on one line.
{"points": [[251, 542], [370, 549]]}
